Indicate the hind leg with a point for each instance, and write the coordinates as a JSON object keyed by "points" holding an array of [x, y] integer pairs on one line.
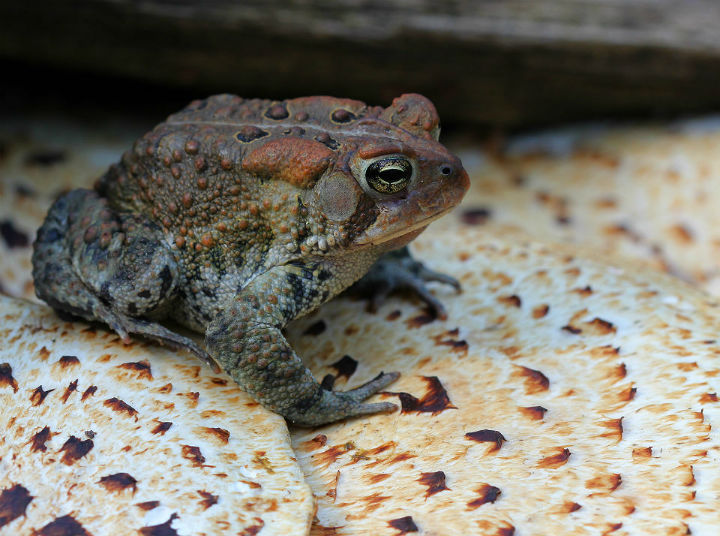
{"points": [[93, 263]]}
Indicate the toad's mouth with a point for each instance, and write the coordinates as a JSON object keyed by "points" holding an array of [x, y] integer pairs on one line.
{"points": [[415, 228]]}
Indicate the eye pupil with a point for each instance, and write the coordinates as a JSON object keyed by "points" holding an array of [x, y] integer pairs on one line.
{"points": [[389, 175], [446, 170]]}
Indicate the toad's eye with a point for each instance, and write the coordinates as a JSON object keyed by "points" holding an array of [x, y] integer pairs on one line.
{"points": [[389, 175]]}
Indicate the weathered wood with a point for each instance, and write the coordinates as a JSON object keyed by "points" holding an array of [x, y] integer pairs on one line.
{"points": [[508, 63]]}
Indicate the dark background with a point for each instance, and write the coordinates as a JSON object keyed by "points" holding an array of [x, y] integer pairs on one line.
{"points": [[487, 65]]}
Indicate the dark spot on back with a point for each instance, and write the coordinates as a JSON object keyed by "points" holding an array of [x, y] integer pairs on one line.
{"points": [[434, 401], [315, 329], [118, 482], [6, 377], [342, 116], [12, 236], [277, 111], [164, 529], [46, 157], [144, 294], [435, 482], [324, 275], [13, 502], [250, 133], [37, 397], [346, 366], [48, 236], [74, 449], [403, 524], [486, 494], [487, 436], [166, 278], [132, 308], [327, 141]]}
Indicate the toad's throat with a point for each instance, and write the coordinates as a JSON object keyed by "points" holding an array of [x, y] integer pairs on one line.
{"points": [[409, 229]]}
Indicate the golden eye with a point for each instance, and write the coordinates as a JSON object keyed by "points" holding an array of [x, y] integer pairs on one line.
{"points": [[389, 175]]}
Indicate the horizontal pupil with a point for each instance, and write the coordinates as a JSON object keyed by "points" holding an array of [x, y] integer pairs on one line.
{"points": [[393, 174]]}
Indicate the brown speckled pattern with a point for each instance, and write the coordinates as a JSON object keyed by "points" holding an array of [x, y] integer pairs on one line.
{"points": [[528, 428], [103, 438]]}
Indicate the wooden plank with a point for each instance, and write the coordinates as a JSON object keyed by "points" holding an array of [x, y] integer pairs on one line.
{"points": [[509, 63]]}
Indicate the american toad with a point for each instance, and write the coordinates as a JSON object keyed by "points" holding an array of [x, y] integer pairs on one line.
{"points": [[234, 217]]}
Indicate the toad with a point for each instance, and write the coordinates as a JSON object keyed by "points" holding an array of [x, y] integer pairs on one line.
{"points": [[234, 217]]}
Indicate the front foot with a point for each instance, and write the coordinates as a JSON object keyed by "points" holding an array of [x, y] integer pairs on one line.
{"points": [[328, 406], [398, 270]]}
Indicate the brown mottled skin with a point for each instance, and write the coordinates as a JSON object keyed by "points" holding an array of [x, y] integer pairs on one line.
{"points": [[235, 217]]}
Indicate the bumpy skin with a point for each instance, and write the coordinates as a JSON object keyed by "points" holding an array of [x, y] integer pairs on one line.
{"points": [[236, 216]]}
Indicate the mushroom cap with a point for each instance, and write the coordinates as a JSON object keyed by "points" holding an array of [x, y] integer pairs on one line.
{"points": [[106, 439], [563, 395]]}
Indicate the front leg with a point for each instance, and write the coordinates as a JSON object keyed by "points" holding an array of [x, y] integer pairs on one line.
{"points": [[247, 341], [399, 270]]}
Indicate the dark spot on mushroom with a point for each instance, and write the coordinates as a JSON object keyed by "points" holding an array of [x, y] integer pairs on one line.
{"points": [[327, 141], [277, 111], [250, 133], [535, 381], [70, 389], [393, 315], [403, 524], [38, 395], [22, 190], [584, 291], [540, 311], [161, 428], [164, 529], [346, 366], [193, 455], [118, 482], [74, 449], [148, 505], [512, 300], [458, 345], [486, 494], [342, 116], [45, 157], [144, 372], [476, 216], [208, 499], [708, 397], [13, 502], [38, 440], [316, 328], [536, 413], [602, 327], [119, 406], [88, 392], [12, 236], [62, 526], [505, 531], [572, 329], [6, 377], [435, 482], [68, 361], [555, 460], [421, 320], [487, 436], [222, 434], [434, 401]]}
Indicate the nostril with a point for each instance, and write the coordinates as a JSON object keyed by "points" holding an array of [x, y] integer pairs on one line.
{"points": [[446, 170]]}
